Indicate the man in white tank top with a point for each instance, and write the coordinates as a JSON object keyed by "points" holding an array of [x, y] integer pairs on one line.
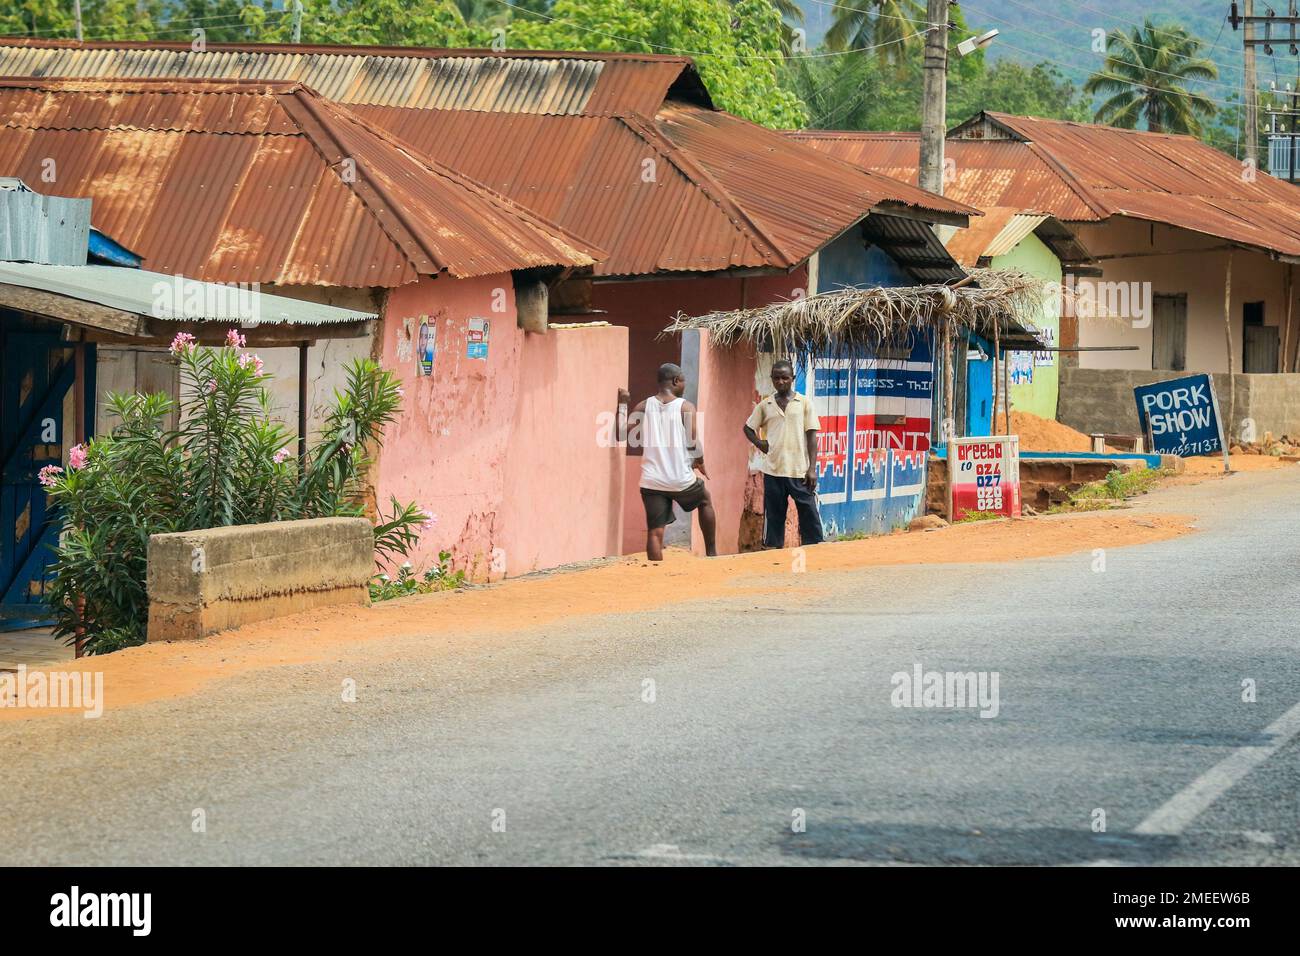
{"points": [[671, 452]]}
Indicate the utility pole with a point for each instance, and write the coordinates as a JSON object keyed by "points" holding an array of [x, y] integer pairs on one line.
{"points": [[297, 21], [1242, 16], [76, 12], [1251, 93], [934, 107]]}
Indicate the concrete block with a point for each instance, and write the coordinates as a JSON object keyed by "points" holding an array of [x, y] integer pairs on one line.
{"points": [[202, 582]]}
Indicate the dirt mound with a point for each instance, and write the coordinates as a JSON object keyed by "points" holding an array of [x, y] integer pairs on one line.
{"points": [[1043, 434]]}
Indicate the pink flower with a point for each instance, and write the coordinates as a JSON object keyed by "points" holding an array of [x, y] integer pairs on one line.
{"points": [[401, 392], [234, 339], [247, 359], [430, 519], [77, 456], [182, 343], [49, 475], [281, 456]]}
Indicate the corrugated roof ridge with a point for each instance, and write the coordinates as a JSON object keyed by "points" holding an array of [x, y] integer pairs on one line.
{"points": [[388, 212], [1063, 172], [416, 52], [703, 181], [509, 206]]}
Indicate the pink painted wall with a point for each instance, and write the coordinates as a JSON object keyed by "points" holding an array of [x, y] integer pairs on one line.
{"points": [[564, 477], [726, 397], [502, 449], [726, 380]]}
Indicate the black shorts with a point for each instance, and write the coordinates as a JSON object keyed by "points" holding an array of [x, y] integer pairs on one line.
{"points": [[659, 504]]}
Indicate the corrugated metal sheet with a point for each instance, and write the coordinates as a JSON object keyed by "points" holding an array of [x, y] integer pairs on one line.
{"points": [[139, 291], [512, 81], [694, 190], [53, 230], [1081, 172], [288, 189], [983, 174], [573, 136]]}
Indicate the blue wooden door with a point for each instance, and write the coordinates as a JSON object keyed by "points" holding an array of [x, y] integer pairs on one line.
{"points": [[979, 397], [36, 373]]}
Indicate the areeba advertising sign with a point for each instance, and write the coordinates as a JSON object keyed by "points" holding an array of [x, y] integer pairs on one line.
{"points": [[984, 476]]}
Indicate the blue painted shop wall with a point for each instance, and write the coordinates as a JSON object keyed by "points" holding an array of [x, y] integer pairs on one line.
{"points": [[842, 265], [875, 411]]}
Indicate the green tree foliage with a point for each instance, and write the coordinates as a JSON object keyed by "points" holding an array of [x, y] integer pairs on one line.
{"points": [[1145, 79], [859, 24], [862, 91], [737, 46], [100, 19]]}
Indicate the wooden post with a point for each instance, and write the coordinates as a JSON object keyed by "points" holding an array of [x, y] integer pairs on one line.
{"points": [[997, 354], [949, 422], [1227, 330], [1286, 336], [1006, 379], [302, 404]]}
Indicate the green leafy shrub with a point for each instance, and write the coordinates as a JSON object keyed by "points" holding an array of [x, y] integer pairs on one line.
{"points": [[439, 578], [226, 463]]}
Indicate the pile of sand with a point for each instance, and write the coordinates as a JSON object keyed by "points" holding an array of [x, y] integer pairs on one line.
{"points": [[1043, 434]]}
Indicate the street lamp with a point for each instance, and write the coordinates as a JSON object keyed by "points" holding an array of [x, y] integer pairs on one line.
{"points": [[969, 45]]}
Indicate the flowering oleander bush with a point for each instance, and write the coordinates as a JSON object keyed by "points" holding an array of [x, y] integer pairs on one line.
{"points": [[227, 462]]}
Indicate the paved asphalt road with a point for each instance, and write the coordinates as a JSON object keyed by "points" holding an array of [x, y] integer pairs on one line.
{"points": [[1119, 690]]}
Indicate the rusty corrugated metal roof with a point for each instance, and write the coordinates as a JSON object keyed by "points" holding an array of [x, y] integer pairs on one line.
{"points": [[689, 190], [512, 81], [267, 182], [986, 175], [573, 136], [1082, 172]]}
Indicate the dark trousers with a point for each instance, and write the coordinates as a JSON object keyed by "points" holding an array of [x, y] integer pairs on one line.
{"points": [[776, 492]]}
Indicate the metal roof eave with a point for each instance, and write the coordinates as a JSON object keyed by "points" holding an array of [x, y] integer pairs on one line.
{"points": [[135, 303]]}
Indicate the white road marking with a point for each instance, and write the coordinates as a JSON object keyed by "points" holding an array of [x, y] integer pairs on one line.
{"points": [[1177, 813], [670, 851]]}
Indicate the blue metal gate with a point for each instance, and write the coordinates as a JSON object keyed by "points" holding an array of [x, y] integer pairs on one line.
{"points": [[37, 371]]}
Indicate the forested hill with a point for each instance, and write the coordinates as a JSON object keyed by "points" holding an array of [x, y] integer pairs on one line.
{"points": [[1060, 31]]}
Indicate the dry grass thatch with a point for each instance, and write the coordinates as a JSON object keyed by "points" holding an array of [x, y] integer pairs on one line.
{"points": [[848, 320]]}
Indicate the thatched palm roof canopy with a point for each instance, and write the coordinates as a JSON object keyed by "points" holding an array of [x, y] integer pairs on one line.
{"points": [[848, 320]]}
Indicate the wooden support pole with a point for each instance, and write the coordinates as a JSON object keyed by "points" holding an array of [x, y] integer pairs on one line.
{"points": [[302, 403], [1283, 360], [1227, 331], [1006, 380]]}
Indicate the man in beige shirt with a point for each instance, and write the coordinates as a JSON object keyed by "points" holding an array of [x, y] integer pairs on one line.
{"points": [[784, 428]]}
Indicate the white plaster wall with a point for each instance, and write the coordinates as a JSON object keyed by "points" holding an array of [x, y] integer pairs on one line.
{"points": [[1200, 273]]}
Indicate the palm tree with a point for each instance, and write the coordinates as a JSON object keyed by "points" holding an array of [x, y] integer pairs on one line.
{"points": [[1144, 78], [864, 23]]}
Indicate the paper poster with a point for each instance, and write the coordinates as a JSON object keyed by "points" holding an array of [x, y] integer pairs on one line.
{"points": [[476, 341], [1022, 368], [426, 345], [1046, 359]]}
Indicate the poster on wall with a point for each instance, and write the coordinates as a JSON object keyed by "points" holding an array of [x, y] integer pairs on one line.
{"points": [[425, 345], [984, 476], [476, 340], [1048, 338], [1022, 368]]}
